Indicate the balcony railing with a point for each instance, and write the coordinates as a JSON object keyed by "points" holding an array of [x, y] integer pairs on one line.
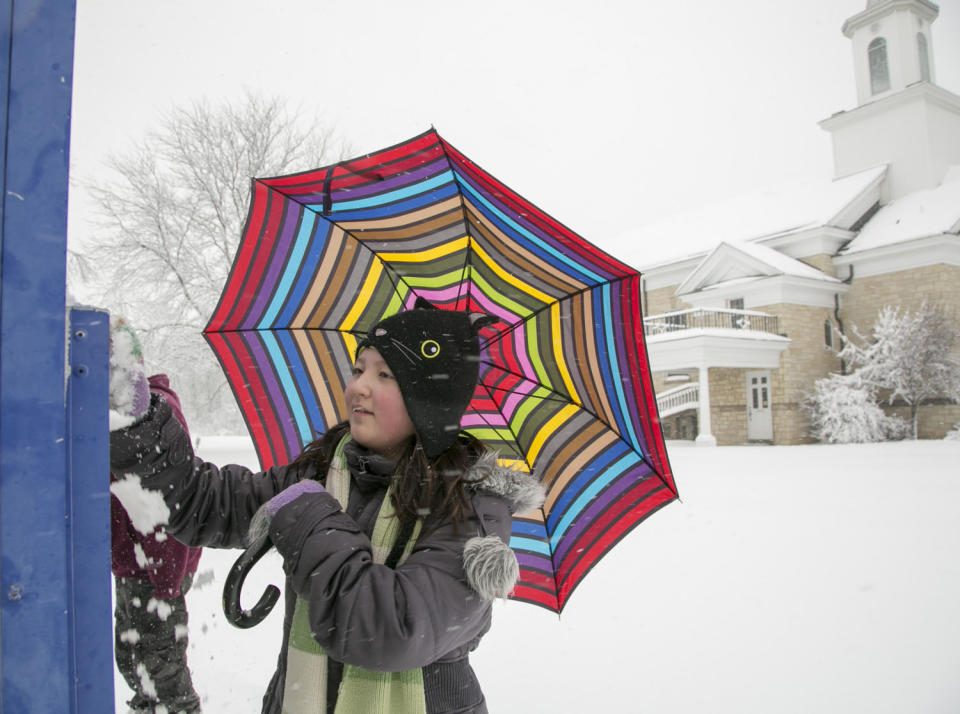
{"points": [[696, 318], [678, 399]]}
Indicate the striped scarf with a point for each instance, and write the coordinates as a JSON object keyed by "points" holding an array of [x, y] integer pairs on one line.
{"points": [[362, 691]]}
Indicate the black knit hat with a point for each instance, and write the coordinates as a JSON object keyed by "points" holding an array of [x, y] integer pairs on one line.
{"points": [[434, 355]]}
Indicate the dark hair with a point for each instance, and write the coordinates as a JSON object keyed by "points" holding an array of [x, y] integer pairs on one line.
{"points": [[434, 487]]}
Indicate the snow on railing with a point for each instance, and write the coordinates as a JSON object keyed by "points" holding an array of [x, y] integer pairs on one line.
{"points": [[695, 318], [678, 399]]}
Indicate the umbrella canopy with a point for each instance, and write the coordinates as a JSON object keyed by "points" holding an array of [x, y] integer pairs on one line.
{"points": [[565, 388]]}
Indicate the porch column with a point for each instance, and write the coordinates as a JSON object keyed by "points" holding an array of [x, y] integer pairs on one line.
{"points": [[704, 437]]}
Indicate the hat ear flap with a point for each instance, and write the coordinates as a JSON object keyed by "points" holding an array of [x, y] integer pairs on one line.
{"points": [[481, 319]]}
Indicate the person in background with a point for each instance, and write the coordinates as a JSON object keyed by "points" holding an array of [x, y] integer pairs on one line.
{"points": [[152, 574]]}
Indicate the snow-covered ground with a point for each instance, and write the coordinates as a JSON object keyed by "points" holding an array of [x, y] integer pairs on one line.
{"points": [[789, 580]]}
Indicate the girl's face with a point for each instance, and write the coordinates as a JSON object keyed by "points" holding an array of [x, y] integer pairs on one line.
{"points": [[378, 417]]}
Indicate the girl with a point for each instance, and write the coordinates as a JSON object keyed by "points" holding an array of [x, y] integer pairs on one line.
{"points": [[393, 526]]}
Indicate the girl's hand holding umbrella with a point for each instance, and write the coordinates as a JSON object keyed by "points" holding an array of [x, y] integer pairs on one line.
{"points": [[260, 544]]}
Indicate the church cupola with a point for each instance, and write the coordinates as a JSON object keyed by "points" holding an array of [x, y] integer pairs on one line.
{"points": [[902, 119], [892, 46]]}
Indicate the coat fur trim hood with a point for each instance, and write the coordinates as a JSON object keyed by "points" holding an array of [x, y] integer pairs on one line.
{"points": [[521, 490], [489, 563]]}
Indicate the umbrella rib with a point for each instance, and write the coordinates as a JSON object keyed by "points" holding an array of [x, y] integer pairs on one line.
{"points": [[467, 261], [516, 439], [514, 204], [558, 398], [513, 435], [465, 271], [501, 335], [395, 278], [546, 306]]}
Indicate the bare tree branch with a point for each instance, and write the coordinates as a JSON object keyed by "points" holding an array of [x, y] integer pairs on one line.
{"points": [[171, 213]]}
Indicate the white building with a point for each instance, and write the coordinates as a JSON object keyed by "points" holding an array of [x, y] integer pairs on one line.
{"points": [[738, 332]]}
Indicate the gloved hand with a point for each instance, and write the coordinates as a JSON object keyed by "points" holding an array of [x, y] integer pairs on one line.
{"points": [[129, 388], [260, 524]]}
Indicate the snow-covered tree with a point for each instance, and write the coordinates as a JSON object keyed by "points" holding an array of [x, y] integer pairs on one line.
{"points": [[842, 409], [171, 214], [911, 356]]}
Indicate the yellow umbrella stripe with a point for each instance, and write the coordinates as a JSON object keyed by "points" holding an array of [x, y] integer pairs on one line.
{"points": [[516, 464], [363, 296], [558, 358], [495, 296], [351, 343], [438, 282], [422, 256], [454, 246], [434, 281], [363, 299], [553, 425], [526, 407], [507, 276]]}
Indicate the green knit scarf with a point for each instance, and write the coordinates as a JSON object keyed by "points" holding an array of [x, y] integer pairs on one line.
{"points": [[362, 691]]}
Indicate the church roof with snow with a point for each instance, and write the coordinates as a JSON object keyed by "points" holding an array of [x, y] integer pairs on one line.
{"points": [[753, 216], [740, 262], [921, 214]]}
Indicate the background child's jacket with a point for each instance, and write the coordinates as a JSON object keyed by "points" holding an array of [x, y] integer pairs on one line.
{"points": [[162, 559]]}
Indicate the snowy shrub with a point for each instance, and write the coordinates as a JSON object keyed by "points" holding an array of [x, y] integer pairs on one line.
{"points": [[953, 435], [911, 356], [842, 409]]}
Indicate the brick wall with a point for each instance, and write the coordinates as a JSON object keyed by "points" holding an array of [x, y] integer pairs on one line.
{"points": [[663, 300], [822, 262], [937, 284], [808, 359], [933, 420], [728, 402]]}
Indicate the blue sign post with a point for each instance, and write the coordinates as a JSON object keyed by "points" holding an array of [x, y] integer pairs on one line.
{"points": [[89, 613], [55, 612]]}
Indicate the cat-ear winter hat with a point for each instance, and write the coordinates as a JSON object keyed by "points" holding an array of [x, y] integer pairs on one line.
{"points": [[434, 355]]}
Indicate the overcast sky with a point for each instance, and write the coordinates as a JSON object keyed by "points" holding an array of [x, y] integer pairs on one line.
{"points": [[608, 114]]}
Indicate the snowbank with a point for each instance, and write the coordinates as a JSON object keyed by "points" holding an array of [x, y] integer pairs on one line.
{"points": [[789, 580]]}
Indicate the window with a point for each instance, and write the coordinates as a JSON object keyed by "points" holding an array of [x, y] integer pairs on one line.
{"points": [[924, 57], [737, 322], [828, 334], [879, 71]]}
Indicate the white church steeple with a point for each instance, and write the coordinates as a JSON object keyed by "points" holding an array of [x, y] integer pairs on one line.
{"points": [[892, 46], [902, 118]]}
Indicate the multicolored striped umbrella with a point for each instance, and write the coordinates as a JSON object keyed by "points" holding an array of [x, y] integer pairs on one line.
{"points": [[565, 387]]}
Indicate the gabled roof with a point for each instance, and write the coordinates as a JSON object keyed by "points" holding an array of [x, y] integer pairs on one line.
{"points": [[758, 215], [921, 214], [743, 261]]}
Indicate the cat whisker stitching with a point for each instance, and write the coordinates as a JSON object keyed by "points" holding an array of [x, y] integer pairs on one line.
{"points": [[405, 351]]}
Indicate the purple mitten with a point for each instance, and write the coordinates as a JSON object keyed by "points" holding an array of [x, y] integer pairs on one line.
{"points": [[129, 388], [291, 494], [260, 523]]}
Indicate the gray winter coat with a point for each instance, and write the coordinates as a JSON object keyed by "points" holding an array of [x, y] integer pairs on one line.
{"points": [[429, 612]]}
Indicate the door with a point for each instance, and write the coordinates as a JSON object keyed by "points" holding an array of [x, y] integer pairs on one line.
{"points": [[759, 416]]}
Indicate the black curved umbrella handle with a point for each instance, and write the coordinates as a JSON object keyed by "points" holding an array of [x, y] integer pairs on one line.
{"points": [[237, 616]]}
